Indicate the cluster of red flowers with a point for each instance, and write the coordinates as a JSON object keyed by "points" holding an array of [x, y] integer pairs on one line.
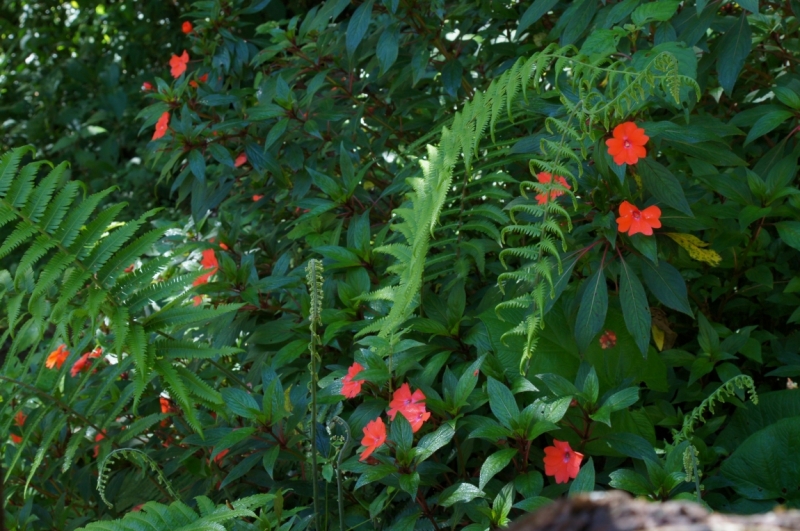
{"points": [[410, 405]]}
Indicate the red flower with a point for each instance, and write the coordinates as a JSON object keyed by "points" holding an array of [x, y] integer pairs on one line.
{"points": [[633, 221], [561, 461], [19, 420], [186, 27], [201, 79], [221, 456], [257, 198], [81, 365], [97, 438], [166, 408], [417, 418], [209, 261], [178, 64], [627, 146], [146, 86], [545, 178], [130, 268], [608, 340], [411, 406], [240, 160], [57, 357], [374, 437], [161, 126], [137, 508], [96, 353], [350, 387]]}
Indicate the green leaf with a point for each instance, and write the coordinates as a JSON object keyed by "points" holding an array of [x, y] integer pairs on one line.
{"points": [[559, 385], [584, 482], [767, 464], [660, 182], [494, 464], [240, 403], [431, 442], [461, 492], [732, 49], [667, 284], [617, 401], [409, 483], [230, 439], [630, 481], [466, 384], [502, 403], [767, 123], [387, 47], [592, 312], [772, 407], [789, 231], [401, 433], [536, 11], [659, 11], [375, 473], [632, 445], [357, 27], [635, 309]]}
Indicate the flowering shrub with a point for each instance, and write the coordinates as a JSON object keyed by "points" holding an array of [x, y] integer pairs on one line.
{"points": [[416, 265]]}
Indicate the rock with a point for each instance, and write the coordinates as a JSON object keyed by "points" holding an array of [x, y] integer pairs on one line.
{"points": [[617, 511]]}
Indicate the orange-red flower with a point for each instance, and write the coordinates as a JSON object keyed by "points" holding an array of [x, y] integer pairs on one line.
{"points": [[374, 437], [201, 79], [627, 146], [240, 160], [410, 405], [608, 340], [561, 461], [19, 420], [221, 456], [350, 387], [257, 198], [57, 357], [161, 126], [81, 365], [186, 27], [209, 261], [146, 86], [178, 64], [633, 221], [545, 178], [166, 408], [97, 438]]}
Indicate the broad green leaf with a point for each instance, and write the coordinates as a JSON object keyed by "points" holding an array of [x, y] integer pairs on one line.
{"points": [[592, 312], [667, 284], [559, 385], [431, 442], [767, 464], [357, 27], [461, 492], [536, 11], [631, 445], [240, 403], [635, 309], [658, 11], [630, 481], [789, 231], [409, 483], [619, 400], [664, 186], [387, 47], [494, 464], [732, 50], [584, 482], [401, 433], [375, 473], [502, 403], [767, 123], [750, 418]]}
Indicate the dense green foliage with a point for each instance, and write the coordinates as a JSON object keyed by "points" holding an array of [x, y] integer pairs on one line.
{"points": [[371, 183]]}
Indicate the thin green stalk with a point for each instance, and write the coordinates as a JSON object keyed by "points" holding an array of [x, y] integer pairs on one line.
{"points": [[314, 279]]}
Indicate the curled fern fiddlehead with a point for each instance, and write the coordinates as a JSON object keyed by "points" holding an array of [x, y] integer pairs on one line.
{"points": [[136, 457]]}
